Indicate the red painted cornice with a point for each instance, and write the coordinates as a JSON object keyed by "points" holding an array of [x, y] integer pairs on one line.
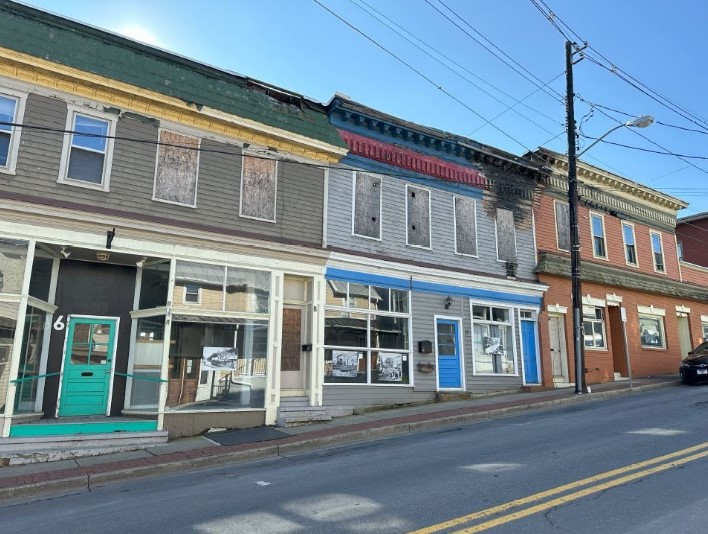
{"points": [[411, 160]]}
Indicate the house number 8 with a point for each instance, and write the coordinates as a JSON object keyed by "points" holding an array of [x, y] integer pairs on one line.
{"points": [[59, 324]]}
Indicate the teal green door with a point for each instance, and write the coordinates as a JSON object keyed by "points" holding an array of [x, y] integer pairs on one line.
{"points": [[88, 362]]}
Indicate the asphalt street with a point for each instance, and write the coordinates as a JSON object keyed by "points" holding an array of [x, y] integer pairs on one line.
{"points": [[627, 465]]}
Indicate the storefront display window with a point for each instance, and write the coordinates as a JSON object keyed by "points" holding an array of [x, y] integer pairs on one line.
{"points": [[217, 363], [30, 359], [144, 385], [8, 323], [154, 282], [493, 340], [366, 334]]}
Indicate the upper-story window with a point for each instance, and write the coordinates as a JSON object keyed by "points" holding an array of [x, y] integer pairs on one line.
{"points": [[418, 216], [657, 249], [177, 168], [11, 112], [366, 220], [259, 184], [597, 227], [562, 225], [87, 152], [679, 250], [506, 235], [465, 226], [630, 246]]}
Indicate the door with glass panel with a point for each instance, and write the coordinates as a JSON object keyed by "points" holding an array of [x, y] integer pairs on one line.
{"points": [[448, 350], [88, 361]]}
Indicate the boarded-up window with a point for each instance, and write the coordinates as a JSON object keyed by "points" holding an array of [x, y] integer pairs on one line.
{"points": [[563, 225], [258, 187], [177, 167], [367, 205], [506, 235], [418, 209], [465, 226]]}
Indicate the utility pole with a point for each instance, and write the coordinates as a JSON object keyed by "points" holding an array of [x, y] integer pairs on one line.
{"points": [[576, 297]]}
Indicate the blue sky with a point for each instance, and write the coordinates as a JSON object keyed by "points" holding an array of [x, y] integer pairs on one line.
{"points": [[300, 46]]}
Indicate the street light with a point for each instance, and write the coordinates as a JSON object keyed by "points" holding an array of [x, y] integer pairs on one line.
{"points": [[639, 122]]}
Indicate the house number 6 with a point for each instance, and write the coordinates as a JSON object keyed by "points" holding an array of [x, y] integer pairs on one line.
{"points": [[59, 324]]}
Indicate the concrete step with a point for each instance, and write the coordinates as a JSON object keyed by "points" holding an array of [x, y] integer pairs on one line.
{"points": [[294, 401], [29, 450], [302, 415]]}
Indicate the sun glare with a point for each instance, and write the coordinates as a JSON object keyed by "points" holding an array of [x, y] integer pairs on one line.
{"points": [[141, 34]]}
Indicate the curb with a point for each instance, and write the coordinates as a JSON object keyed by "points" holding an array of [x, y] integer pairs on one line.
{"points": [[217, 458]]}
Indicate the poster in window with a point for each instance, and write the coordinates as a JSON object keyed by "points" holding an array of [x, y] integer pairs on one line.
{"points": [[345, 363], [219, 358], [493, 345], [390, 367]]}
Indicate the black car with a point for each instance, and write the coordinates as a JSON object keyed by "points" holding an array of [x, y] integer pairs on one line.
{"points": [[694, 368]]}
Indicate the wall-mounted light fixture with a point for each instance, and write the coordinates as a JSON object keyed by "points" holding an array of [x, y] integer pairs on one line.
{"points": [[448, 302], [110, 234], [102, 256]]}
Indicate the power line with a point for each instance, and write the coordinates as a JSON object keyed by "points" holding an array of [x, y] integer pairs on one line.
{"points": [[662, 152], [419, 73], [388, 25]]}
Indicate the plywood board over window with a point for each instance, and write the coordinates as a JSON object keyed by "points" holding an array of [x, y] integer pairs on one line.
{"points": [[465, 226], [506, 235], [177, 169], [367, 206], [418, 216], [258, 188], [562, 225]]}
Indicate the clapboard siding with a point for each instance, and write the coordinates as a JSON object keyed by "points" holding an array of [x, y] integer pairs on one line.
{"points": [[299, 196], [442, 251]]}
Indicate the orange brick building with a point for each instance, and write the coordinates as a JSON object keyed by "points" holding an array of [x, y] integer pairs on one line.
{"points": [[643, 309]]}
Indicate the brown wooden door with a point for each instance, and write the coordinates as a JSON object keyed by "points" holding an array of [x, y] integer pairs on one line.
{"points": [[291, 364]]}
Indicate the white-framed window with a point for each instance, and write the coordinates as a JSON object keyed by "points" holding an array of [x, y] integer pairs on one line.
{"points": [[651, 331], [597, 229], [594, 327], [12, 110], [366, 211], [679, 250], [657, 249], [176, 169], [562, 211], [88, 150], [493, 340], [259, 185], [465, 226], [367, 334], [705, 331], [192, 293], [505, 235], [630, 244], [417, 216]]}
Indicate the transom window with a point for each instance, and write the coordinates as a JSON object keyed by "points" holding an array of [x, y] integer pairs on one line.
{"points": [[493, 340], [597, 227], [657, 249], [594, 327], [630, 247], [366, 334], [86, 158]]}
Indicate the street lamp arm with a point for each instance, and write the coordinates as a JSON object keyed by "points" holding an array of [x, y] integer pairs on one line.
{"points": [[596, 141], [639, 122]]}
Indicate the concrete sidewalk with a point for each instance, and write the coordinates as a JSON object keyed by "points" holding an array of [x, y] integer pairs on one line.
{"points": [[200, 452]]}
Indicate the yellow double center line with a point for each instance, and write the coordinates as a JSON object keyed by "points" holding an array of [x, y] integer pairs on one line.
{"points": [[618, 477]]}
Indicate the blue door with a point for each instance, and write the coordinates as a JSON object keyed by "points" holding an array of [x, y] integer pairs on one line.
{"points": [[448, 346], [528, 342]]}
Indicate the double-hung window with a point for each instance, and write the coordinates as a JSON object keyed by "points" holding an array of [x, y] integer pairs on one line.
{"points": [[87, 153], [11, 111], [366, 220], [651, 331], [418, 216], [259, 185], [465, 226], [562, 225], [506, 235], [657, 249], [630, 246], [594, 327], [597, 227], [177, 168]]}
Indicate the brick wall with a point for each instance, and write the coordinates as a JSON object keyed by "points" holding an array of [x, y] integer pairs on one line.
{"points": [[694, 238]]}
